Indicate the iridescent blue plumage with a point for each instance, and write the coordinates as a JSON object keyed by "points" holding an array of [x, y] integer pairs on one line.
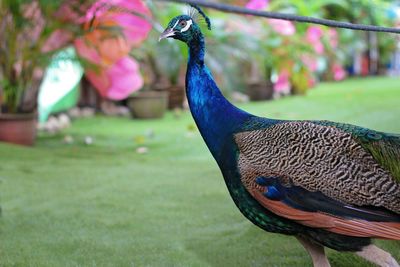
{"points": [[215, 116]]}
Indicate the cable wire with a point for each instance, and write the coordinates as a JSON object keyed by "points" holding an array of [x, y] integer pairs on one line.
{"points": [[291, 17]]}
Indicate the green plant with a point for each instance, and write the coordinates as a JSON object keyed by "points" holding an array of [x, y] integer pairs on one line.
{"points": [[164, 60], [25, 29], [169, 60], [365, 12]]}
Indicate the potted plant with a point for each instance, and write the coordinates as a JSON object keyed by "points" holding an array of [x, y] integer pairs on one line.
{"points": [[151, 101], [31, 32], [164, 66], [259, 85], [170, 73], [28, 39], [254, 38]]}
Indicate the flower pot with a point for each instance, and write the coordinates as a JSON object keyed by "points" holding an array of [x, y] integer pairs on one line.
{"points": [[148, 104], [18, 129], [260, 91], [176, 96]]}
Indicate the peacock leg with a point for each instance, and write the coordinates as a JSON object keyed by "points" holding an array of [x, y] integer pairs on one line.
{"points": [[378, 256], [316, 252]]}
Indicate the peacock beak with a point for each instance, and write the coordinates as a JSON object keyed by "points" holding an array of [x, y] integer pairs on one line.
{"points": [[167, 33]]}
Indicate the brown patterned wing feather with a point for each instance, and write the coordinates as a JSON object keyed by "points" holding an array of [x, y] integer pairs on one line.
{"points": [[319, 159], [384, 147]]}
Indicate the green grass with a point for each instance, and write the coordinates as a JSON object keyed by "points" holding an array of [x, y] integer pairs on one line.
{"points": [[106, 205]]}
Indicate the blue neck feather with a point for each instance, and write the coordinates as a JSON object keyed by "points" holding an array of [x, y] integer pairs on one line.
{"points": [[216, 118]]}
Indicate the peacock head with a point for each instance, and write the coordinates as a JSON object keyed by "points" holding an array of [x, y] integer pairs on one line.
{"points": [[184, 27]]}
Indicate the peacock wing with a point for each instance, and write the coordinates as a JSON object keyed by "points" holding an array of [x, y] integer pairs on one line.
{"points": [[384, 147], [321, 165], [314, 209]]}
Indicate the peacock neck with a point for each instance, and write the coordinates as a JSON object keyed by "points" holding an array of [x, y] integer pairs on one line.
{"points": [[216, 118], [197, 49]]}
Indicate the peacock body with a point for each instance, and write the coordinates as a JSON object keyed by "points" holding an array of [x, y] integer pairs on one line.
{"points": [[328, 184]]}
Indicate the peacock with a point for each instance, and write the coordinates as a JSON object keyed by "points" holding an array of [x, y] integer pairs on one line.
{"points": [[328, 184]]}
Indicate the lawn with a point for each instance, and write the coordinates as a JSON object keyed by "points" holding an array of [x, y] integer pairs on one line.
{"points": [[106, 205]]}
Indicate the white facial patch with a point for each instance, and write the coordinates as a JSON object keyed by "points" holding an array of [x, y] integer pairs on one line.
{"points": [[176, 23], [188, 24]]}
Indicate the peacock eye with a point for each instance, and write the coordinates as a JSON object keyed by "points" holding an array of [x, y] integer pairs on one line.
{"points": [[182, 23]]}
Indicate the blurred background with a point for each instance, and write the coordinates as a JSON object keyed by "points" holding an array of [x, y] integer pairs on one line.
{"points": [[112, 170]]}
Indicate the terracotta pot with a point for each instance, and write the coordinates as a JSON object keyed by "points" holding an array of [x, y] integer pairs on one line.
{"points": [[148, 104], [18, 129]]}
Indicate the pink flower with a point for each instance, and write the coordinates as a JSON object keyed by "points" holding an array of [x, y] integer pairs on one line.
{"points": [[118, 81], [338, 72], [333, 37], [107, 12], [310, 61], [282, 85], [313, 36], [318, 48], [135, 29], [100, 50], [283, 27], [117, 75], [98, 45], [257, 4]]}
